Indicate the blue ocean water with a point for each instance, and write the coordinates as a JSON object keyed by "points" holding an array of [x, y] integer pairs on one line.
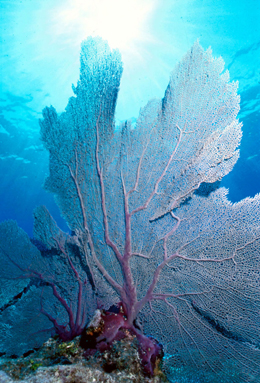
{"points": [[40, 60]]}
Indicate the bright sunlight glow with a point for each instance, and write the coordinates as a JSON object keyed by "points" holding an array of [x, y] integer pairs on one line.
{"points": [[121, 22]]}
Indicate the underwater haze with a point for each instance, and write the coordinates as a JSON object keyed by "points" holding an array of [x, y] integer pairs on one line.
{"points": [[40, 45]]}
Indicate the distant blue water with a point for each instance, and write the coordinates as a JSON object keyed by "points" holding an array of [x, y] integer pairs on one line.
{"points": [[244, 180], [40, 60]]}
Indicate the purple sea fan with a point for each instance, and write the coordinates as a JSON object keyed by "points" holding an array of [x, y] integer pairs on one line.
{"points": [[152, 230]]}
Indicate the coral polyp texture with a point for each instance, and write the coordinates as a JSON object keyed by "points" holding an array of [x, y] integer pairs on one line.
{"points": [[152, 232]]}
